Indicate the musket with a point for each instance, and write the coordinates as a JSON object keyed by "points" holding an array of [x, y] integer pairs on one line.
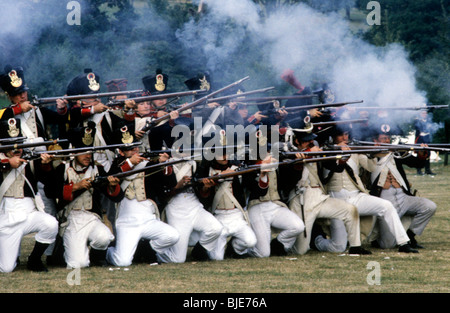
{"points": [[82, 150], [403, 147], [32, 145], [153, 153], [269, 166], [272, 98], [243, 94], [51, 100], [332, 123], [155, 97], [429, 107], [334, 152], [158, 120], [13, 139], [100, 180]]}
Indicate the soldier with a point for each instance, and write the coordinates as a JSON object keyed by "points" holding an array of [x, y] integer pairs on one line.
{"points": [[389, 182], [345, 183], [197, 227], [21, 212], [423, 130], [138, 213], [34, 120], [160, 135], [309, 200], [226, 200], [266, 209], [79, 203]]}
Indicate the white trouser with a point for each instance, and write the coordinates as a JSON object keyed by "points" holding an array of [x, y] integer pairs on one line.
{"points": [[338, 238], [84, 228], [421, 209], [389, 221], [269, 214], [328, 208], [237, 227], [186, 214], [50, 208], [136, 220], [19, 217]]}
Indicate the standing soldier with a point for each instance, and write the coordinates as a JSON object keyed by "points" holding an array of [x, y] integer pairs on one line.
{"points": [[423, 135], [21, 213]]}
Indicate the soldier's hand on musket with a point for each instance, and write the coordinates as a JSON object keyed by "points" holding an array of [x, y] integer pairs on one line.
{"points": [[16, 161], [315, 112], [100, 107], [163, 157], [61, 104], [259, 116], [139, 134], [26, 106], [232, 105], [213, 105], [83, 184], [136, 159], [113, 181], [46, 158], [129, 105], [183, 182], [300, 155], [174, 115], [344, 146], [282, 113], [208, 183], [267, 160]]}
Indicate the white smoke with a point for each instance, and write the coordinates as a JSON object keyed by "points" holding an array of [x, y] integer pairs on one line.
{"points": [[318, 47]]}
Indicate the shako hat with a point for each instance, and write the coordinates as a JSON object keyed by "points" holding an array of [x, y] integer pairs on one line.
{"points": [[83, 84], [12, 81]]}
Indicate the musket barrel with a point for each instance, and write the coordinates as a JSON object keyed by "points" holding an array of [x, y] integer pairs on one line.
{"points": [[158, 97], [340, 122], [31, 144], [39, 101]]}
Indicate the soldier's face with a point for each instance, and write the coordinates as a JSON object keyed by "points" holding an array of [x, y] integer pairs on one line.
{"points": [[343, 138], [143, 108], [383, 139], [19, 98], [159, 102], [129, 153], [13, 153], [84, 159]]}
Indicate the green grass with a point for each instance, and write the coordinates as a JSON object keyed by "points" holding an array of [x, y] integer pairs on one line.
{"points": [[315, 272]]}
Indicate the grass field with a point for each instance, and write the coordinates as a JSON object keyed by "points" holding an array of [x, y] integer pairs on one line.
{"points": [[426, 272]]}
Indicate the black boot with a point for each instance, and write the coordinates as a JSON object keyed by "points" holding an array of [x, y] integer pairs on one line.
{"points": [[412, 240], [277, 248], [316, 231], [34, 260], [199, 253], [406, 248], [148, 255], [232, 254], [358, 250], [97, 257]]}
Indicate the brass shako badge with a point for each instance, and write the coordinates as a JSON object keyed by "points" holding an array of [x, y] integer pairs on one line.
{"points": [[93, 85], [13, 130], [16, 81], [160, 86]]}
